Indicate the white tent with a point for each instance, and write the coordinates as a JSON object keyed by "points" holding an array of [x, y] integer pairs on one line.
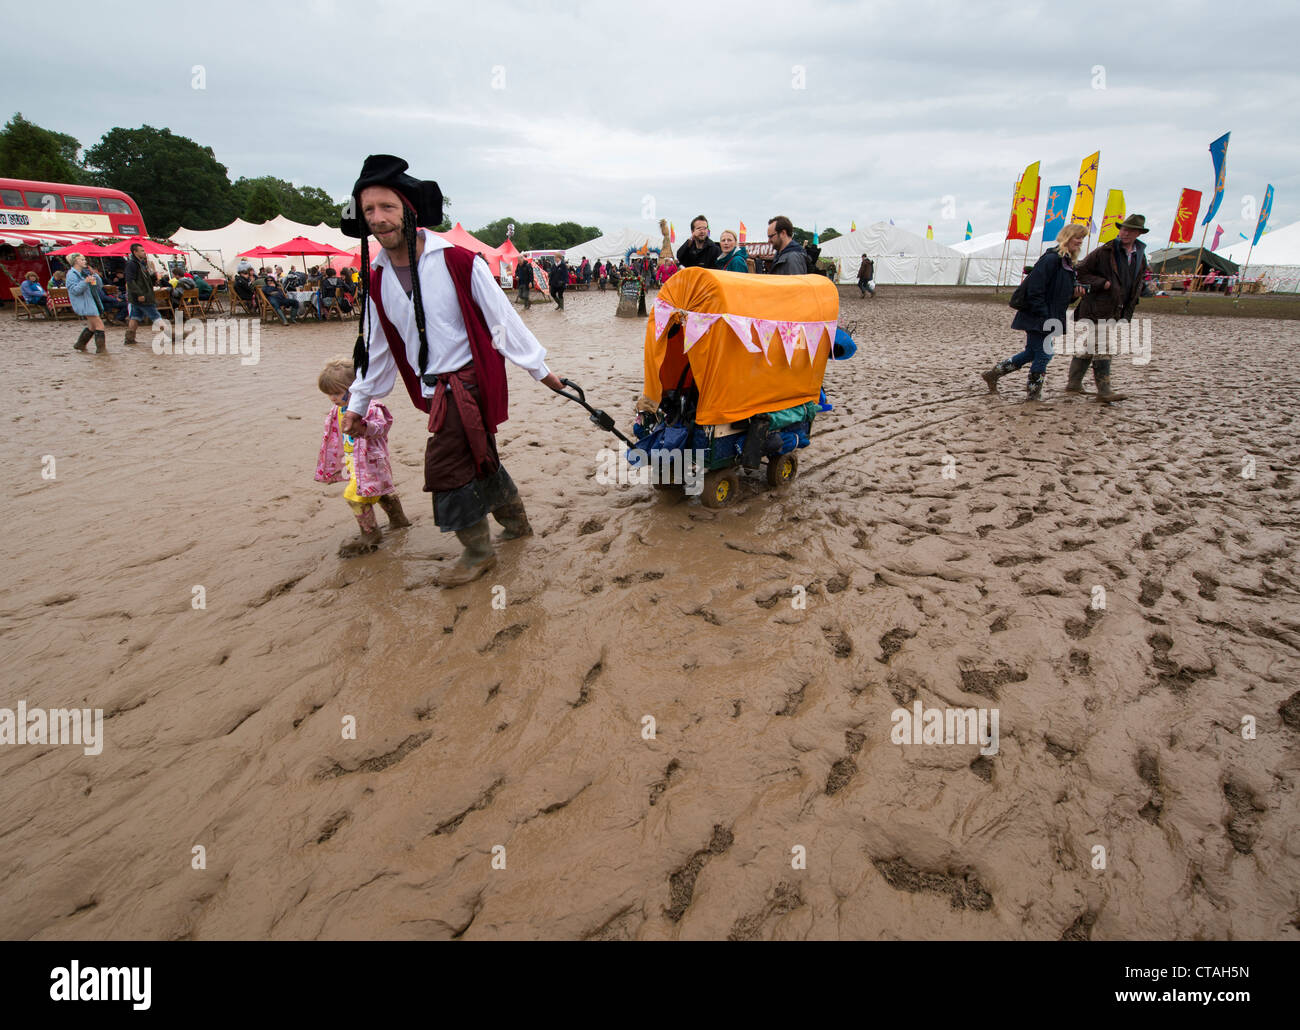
{"points": [[613, 246], [215, 249], [899, 256], [984, 255], [1276, 257]]}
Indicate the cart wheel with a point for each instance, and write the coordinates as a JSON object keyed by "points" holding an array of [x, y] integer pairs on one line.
{"points": [[782, 469], [720, 487]]}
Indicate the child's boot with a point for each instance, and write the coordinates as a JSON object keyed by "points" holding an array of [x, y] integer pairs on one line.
{"points": [[392, 506], [370, 535]]}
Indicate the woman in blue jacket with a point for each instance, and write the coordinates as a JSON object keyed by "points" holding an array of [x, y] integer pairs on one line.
{"points": [[81, 295], [1051, 287], [732, 258]]}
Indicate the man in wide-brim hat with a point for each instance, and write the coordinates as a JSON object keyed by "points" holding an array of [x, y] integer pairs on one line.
{"points": [[1114, 273], [433, 314]]}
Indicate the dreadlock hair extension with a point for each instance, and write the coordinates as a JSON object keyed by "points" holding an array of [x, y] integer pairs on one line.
{"points": [[360, 353], [410, 230]]}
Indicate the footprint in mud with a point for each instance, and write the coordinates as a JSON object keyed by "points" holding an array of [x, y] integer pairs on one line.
{"points": [[892, 642], [1148, 769], [1152, 591], [657, 789], [1242, 822], [503, 637], [793, 699], [453, 824], [963, 889], [843, 771], [784, 900], [1077, 629], [584, 695], [1206, 585], [986, 682], [681, 882], [840, 643], [1168, 672], [1017, 559]]}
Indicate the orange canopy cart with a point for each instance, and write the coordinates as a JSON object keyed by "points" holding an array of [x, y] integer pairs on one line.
{"points": [[733, 369]]}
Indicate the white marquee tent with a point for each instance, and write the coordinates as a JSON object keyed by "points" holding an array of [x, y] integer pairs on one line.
{"points": [[1276, 257], [613, 246], [899, 256], [983, 255], [218, 249]]}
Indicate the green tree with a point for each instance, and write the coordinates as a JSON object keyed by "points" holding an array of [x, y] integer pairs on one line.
{"points": [[28, 151], [262, 204], [167, 175], [829, 234], [537, 235]]}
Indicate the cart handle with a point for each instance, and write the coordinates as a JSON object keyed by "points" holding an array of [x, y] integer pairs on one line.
{"points": [[598, 417]]}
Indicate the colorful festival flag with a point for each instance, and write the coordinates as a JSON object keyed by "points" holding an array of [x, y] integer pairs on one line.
{"points": [[1025, 207], [1189, 205], [1218, 233], [1219, 154], [1263, 214], [968, 230], [816, 235], [743, 230], [1113, 216], [1058, 206], [853, 226], [1086, 192], [672, 230], [929, 232]]}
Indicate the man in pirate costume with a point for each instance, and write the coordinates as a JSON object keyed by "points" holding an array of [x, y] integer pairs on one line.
{"points": [[433, 314]]}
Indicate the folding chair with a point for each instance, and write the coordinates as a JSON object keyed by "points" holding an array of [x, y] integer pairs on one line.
{"points": [[190, 306], [162, 298], [264, 306], [21, 307], [213, 304], [237, 302], [60, 303]]}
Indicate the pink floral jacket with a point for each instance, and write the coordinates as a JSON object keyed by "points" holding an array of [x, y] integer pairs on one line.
{"points": [[369, 453]]}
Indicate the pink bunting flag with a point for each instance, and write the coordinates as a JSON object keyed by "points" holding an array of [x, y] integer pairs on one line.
{"points": [[697, 324], [766, 330], [743, 326], [663, 312], [789, 338]]}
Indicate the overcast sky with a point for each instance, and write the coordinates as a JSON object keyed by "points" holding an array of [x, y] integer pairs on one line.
{"points": [[592, 112]]}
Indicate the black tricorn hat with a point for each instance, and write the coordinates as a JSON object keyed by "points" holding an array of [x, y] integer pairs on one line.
{"points": [[390, 171]]}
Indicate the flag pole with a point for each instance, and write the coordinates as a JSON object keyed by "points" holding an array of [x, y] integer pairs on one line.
{"points": [[1196, 267]]}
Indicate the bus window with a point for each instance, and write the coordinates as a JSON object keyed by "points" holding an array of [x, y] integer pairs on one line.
{"points": [[81, 203], [11, 198], [129, 230], [47, 201], [115, 207]]}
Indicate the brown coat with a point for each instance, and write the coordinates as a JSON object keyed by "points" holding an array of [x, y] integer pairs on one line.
{"points": [[866, 270], [1100, 267]]}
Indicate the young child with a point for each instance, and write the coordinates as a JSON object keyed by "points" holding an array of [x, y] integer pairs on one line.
{"points": [[363, 460]]}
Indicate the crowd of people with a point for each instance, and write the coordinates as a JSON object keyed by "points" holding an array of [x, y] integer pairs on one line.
{"points": [[329, 289]]}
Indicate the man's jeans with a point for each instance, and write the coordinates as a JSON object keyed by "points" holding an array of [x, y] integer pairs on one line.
{"points": [[1033, 353], [279, 301]]}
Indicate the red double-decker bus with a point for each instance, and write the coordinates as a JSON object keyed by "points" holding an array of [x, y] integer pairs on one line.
{"points": [[45, 214]]}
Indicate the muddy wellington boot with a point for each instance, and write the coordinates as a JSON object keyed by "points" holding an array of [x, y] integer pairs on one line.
{"points": [[1101, 373], [101, 346], [513, 519], [995, 373], [130, 335], [82, 340], [1078, 366], [393, 509], [1034, 387], [477, 558]]}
